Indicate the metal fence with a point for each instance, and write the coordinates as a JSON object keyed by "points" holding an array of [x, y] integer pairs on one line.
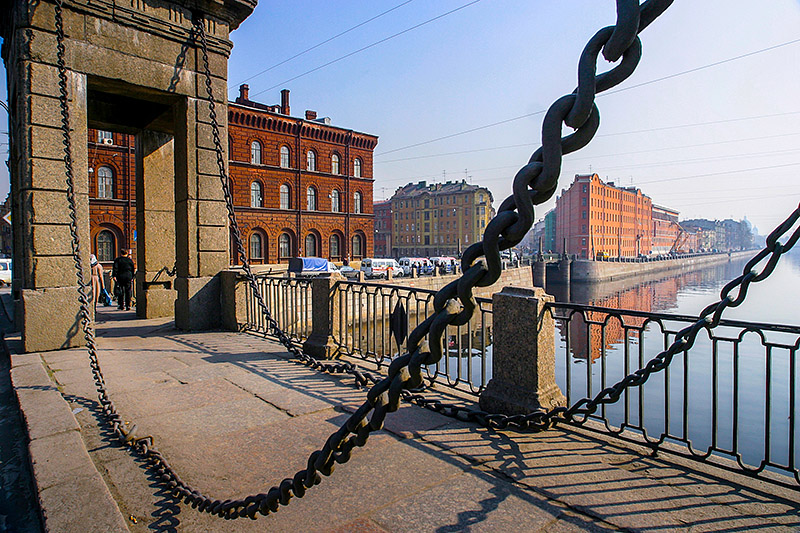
{"points": [[289, 301], [363, 314], [733, 395]]}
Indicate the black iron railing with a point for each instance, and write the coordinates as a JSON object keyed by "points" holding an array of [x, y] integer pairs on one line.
{"points": [[365, 316], [290, 302], [732, 396]]}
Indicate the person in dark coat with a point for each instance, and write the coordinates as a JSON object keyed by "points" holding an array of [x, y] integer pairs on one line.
{"points": [[122, 272]]}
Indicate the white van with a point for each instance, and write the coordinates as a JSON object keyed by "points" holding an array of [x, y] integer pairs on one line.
{"points": [[379, 268], [423, 264], [5, 272], [447, 263]]}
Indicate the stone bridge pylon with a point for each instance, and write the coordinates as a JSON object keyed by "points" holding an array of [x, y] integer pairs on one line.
{"points": [[133, 66]]}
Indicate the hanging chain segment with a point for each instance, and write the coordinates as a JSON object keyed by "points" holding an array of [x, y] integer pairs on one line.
{"points": [[362, 377], [454, 304]]}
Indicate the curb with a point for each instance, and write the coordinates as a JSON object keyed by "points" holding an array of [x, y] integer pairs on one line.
{"points": [[71, 492]]}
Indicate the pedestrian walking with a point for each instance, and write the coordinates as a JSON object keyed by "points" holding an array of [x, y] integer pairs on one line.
{"points": [[122, 272], [98, 284]]}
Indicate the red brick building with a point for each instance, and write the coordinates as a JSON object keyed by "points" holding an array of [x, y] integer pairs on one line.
{"points": [[666, 230], [301, 186], [596, 217], [383, 228], [112, 193]]}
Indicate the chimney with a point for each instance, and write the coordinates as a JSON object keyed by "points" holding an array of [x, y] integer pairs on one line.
{"points": [[244, 92], [285, 102], [311, 115]]}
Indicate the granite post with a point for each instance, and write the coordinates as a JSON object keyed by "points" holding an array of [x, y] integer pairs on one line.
{"points": [[324, 310], [523, 356]]}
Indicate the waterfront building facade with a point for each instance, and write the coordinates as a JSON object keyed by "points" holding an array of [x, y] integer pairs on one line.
{"points": [[667, 233], [300, 186], [383, 228], [593, 217], [440, 219]]}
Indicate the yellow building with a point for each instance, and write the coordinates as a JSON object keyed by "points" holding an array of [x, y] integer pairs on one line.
{"points": [[440, 219]]}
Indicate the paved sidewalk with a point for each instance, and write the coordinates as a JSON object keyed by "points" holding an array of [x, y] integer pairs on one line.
{"points": [[233, 416]]}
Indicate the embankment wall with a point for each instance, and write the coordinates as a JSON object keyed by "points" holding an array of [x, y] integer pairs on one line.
{"points": [[584, 271]]}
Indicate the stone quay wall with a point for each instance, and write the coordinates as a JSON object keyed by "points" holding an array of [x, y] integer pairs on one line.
{"points": [[584, 271]]}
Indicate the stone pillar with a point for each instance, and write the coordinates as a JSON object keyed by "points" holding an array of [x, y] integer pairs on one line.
{"points": [[201, 219], [155, 224], [539, 274], [523, 357], [564, 271], [44, 273], [324, 311], [233, 299]]}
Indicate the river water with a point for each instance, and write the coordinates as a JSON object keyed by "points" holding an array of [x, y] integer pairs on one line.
{"points": [[732, 393]]}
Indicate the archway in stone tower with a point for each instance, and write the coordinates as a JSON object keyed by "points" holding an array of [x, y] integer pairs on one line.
{"points": [[133, 69], [149, 117]]}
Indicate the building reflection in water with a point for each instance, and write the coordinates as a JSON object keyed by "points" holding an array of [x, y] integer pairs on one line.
{"points": [[591, 333]]}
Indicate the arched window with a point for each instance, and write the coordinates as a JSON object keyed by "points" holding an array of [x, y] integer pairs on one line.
{"points": [[285, 157], [105, 246], [356, 202], [335, 164], [335, 201], [311, 199], [311, 160], [311, 245], [255, 153], [357, 167], [357, 246], [284, 246], [105, 183], [256, 196], [286, 202], [256, 247], [334, 245]]}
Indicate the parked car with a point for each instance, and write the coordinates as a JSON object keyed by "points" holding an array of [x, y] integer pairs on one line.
{"points": [[379, 268], [5, 272], [349, 272]]}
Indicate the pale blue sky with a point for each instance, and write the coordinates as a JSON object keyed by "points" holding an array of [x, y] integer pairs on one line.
{"points": [[500, 59]]}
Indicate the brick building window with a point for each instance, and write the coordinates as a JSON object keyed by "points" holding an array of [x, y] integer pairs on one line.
{"points": [[357, 167], [335, 164], [105, 183], [335, 207], [334, 246], [105, 246], [285, 162], [311, 160], [285, 197], [256, 195], [356, 202], [255, 153], [358, 246], [284, 246], [311, 199], [256, 247], [311, 245], [105, 137]]}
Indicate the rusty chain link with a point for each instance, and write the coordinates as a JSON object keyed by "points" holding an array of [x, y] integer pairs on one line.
{"points": [[454, 304]]}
